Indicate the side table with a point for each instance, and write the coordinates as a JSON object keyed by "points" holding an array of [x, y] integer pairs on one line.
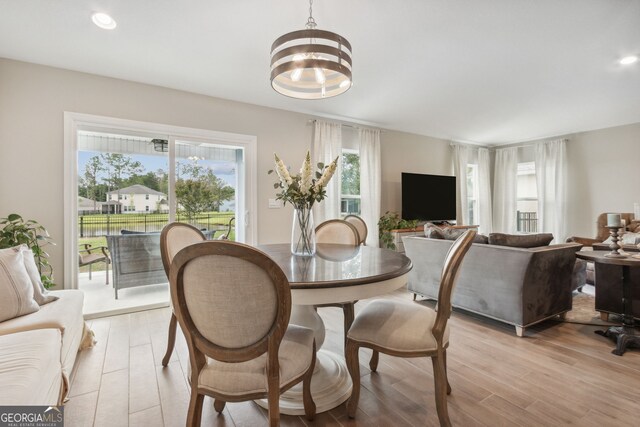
{"points": [[626, 335]]}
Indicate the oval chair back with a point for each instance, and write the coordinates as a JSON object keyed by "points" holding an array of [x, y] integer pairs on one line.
{"points": [[337, 231], [175, 237], [360, 225]]}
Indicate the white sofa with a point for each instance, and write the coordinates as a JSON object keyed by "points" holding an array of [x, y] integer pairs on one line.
{"points": [[38, 350]]}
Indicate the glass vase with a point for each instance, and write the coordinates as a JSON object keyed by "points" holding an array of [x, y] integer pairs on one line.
{"points": [[303, 235]]}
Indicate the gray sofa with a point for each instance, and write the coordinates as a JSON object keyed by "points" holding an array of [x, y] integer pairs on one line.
{"points": [[513, 285]]}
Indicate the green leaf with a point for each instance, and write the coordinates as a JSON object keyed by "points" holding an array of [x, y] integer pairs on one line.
{"points": [[270, 172], [14, 217], [320, 165], [276, 185]]}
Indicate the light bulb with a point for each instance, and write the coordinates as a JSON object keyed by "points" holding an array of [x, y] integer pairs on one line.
{"points": [[296, 74], [345, 83], [319, 75]]}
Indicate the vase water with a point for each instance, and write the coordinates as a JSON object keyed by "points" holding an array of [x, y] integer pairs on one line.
{"points": [[303, 235]]}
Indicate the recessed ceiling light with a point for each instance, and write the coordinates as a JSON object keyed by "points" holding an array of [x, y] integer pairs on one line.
{"points": [[103, 20], [627, 60]]}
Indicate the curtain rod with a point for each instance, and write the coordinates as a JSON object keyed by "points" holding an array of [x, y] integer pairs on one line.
{"points": [[526, 144], [349, 126]]}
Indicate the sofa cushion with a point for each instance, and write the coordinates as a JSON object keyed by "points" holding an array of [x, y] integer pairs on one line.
{"points": [[40, 294], [520, 240], [30, 370], [64, 314], [16, 290]]}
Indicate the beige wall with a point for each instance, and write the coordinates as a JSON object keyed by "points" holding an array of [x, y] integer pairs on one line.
{"points": [[603, 175], [33, 99]]}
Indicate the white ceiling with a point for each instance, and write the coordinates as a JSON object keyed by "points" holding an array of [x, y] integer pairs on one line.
{"points": [[492, 71]]}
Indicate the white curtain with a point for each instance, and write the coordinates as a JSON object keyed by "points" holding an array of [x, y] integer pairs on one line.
{"points": [[327, 145], [464, 155], [485, 213], [505, 190], [551, 169], [461, 158], [370, 182]]}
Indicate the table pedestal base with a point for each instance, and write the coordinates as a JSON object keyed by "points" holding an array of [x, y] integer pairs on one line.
{"points": [[330, 386], [623, 336]]}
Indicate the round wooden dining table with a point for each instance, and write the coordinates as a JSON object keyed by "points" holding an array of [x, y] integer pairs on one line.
{"points": [[335, 274]]}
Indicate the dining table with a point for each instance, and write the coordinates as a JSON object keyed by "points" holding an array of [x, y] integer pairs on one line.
{"points": [[334, 274]]}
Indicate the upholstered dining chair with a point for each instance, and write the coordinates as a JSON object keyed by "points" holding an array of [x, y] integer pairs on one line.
{"points": [[408, 329], [341, 232], [175, 237], [233, 304], [360, 225]]}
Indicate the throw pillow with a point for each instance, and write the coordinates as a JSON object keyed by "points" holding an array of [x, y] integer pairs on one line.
{"points": [[432, 231], [454, 233], [520, 240], [627, 239], [40, 293], [16, 290]]}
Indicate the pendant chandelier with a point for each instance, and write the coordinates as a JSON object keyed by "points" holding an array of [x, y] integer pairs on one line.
{"points": [[311, 63]]}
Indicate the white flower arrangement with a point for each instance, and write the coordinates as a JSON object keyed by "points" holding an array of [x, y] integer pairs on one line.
{"points": [[304, 189]]}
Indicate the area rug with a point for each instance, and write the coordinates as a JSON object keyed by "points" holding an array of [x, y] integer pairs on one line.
{"points": [[584, 312]]}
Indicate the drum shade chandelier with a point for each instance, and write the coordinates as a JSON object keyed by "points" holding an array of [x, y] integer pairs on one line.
{"points": [[311, 63]]}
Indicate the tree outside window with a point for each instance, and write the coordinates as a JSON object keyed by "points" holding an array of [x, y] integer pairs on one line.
{"points": [[527, 198], [350, 183]]}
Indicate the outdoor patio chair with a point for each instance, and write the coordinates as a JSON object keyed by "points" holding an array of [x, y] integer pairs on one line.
{"points": [[91, 255]]}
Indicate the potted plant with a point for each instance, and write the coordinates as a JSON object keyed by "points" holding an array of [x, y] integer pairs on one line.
{"points": [[391, 221], [16, 231]]}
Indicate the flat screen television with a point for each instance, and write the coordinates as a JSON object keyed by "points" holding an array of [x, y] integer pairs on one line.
{"points": [[428, 197]]}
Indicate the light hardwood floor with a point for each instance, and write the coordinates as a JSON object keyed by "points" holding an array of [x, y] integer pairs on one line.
{"points": [[559, 374]]}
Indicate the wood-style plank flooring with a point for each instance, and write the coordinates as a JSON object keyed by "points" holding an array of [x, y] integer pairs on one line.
{"points": [[559, 374]]}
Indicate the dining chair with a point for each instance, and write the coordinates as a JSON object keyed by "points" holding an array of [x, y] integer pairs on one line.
{"points": [[173, 238], [360, 225], [337, 231], [233, 304], [408, 329]]}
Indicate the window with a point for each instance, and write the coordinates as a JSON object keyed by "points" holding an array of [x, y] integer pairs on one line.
{"points": [[146, 197], [527, 198], [472, 193], [146, 208], [350, 183]]}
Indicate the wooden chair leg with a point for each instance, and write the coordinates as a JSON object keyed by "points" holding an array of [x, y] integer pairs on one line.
{"points": [[353, 365], [273, 398], [348, 310], [194, 416], [218, 405], [446, 373], [106, 265], [415, 296], [307, 398], [373, 363], [440, 379], [171, 339]]}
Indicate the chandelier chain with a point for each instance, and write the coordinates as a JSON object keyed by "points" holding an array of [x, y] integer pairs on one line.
{"points": [[311, 23]]}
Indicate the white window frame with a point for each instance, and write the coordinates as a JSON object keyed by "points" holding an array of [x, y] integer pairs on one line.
{"points": [[246, 209], [348, 196], [475, 197]]}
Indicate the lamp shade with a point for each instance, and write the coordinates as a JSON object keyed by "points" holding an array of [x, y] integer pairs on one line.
{"points": [[311, 64]]}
